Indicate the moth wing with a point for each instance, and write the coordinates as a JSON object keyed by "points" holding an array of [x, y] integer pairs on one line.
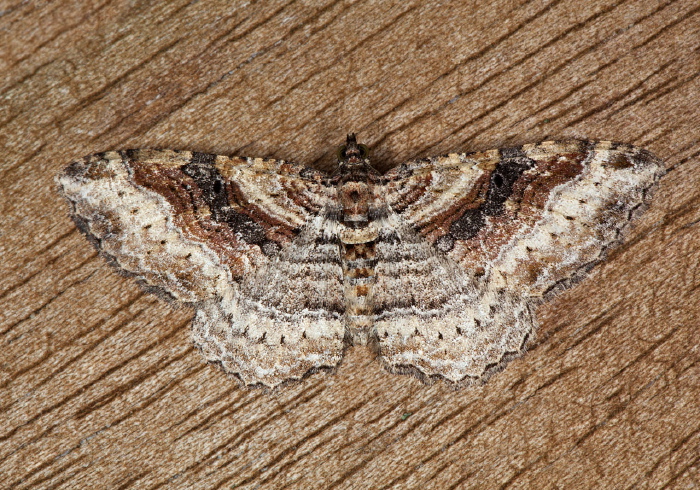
{"points": [[479, 238], [532, 218], [188, 224], [287, 320], [432, 319], [222, 233]]}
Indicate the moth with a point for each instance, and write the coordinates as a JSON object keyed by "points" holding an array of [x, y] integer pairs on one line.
{"points": [[438, 264]]}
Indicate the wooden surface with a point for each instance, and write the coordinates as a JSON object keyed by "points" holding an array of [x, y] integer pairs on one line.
{"points": [[100, 385]]}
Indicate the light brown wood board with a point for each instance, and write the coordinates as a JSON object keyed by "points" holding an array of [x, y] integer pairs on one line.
{"points": [[100, 386]]}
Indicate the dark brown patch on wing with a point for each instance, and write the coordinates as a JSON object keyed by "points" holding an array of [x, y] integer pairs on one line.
{"points": [[620, 161], [216, 195], [517, 183], [191, 211], [500, 187], [519, 203], [212, 210], [463, 218]]}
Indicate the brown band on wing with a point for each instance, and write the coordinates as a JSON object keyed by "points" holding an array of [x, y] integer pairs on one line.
{"points": [[465, 210], [227, 202], [412, 187], [294, 182], [409, 194], [297, 194], [517, 205], [502, 182], [267, 228], [201, 209]]}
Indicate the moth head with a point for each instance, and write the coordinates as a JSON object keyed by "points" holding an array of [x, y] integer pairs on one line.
{"points": [[352, 153]]}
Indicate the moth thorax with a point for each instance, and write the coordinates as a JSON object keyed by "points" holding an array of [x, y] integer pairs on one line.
{"points": [[355, 200]]}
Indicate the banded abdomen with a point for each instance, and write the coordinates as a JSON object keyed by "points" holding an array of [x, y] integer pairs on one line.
{"points": [[358, 236]]}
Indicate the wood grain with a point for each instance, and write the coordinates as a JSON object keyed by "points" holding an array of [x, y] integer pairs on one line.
{"points": [[100, 386]]}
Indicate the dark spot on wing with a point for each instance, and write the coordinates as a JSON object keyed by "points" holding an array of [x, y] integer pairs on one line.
{"points": [[213, 188], [508, 170]]}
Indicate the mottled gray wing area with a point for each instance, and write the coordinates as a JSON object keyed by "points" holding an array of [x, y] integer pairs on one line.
{"points": [[434, 319], [212, 230], [287, 319], [505, 228]]}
